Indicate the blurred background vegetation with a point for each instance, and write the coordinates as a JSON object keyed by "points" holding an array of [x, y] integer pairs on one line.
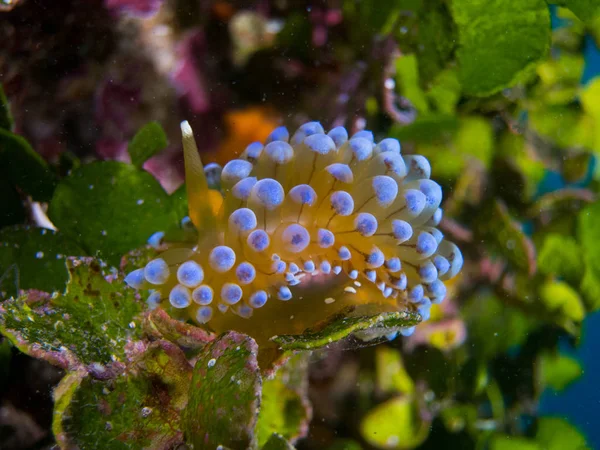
{"points": [[503, 97]]}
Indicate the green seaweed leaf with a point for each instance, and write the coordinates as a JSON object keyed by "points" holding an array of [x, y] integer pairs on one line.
{"points": [[585, 10], [557, 371], [225, 394], [554, 433], [33, 258], [146, 143], [343, 325], [89, 325], [277, 442], [499, 41], [561, 256], [25, 168], [110, 208], [284, 407], [395, 424], [6, 119], [138, 410]]}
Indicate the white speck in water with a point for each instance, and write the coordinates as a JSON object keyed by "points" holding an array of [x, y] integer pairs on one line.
{"points": [[131, 324], [389, 83], [212, 362], [510, 244], [103, 233], [59, 256], [43, 232], [91, 186], [393, 441], [329, 300], [291, 317], [140, 201], [146, 411], [39, 255]]}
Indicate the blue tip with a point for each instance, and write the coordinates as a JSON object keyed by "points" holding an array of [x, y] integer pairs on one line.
{"points": [[375, 259], [278, 134], [342, 203], [393, 265], [341, 172], [241, 190], [153, 300], [231, 293], [190, 274], [320, 143], [157, 271], [258, 240], [416, 293], [428, 272], [307, 129], [309, 266], [293, 268], [362, 148], [394, 163], [156, 239], [325, 267], [203, 295], [222, 258], [258, 299], [366, 224], [339, 135], [415, 201], [303, 194], [371, 275], [325, 238], [284, 293], [399, 282], [408, 331], [441, 264], [389, 145], [337, 270], [344, 253], [365, 134], [437, 291], [236, 170], [268, 192], [245, 273], [243, 219], [402, 230], [295, 238], [353, 274], [180, 297], [426, 244], [432, 191], [204, 314], [135, 279], [279, 152], [253, 151]]}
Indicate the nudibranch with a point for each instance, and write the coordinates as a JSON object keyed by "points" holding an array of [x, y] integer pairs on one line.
{"points": [[302, 226]]}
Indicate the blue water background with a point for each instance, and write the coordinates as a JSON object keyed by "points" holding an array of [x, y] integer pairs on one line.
{"points": [[580, 402]]}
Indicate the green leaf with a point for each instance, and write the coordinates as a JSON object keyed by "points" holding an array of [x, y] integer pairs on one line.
{"points": [[391, 374], [445, 90], [6, 120], [585, 10], [505, 236], [87, 326], [25, 168], [284, 407], [499, 41], [407, 79], [345, 444], [500, 442], [12, 211], [34, 258], [225, 394], [557, 371], [277, 442], [395, 424], [147, 142], [562, 299], [561, 256], [493, 326], [343, 325], [140, 409], [557, 434], [111, 208]]}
